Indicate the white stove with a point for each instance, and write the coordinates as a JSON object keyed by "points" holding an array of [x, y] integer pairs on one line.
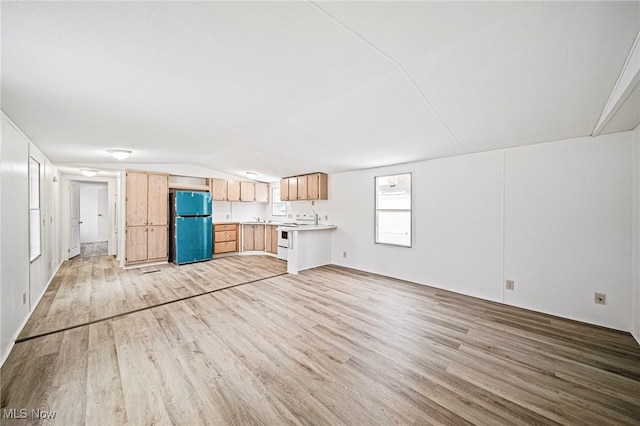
{"points": [[284, 237]]}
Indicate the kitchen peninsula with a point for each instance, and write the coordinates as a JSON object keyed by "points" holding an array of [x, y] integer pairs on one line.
{"points": [[309, 246]]}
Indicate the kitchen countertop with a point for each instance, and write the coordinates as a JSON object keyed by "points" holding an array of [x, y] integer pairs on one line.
{"points": [[303, 227], [307, 227]]}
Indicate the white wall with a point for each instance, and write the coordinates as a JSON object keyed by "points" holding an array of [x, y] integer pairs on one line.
{"points": [[636, 234], [226, 211], [568, 228], [554, 217], [22, 283], [15, 227]]}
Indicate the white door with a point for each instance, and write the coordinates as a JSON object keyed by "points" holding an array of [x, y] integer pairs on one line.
{"points": [[103, 214], [74, 237]]}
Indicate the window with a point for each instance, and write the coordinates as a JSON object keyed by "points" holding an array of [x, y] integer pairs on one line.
{"points": [[35, 247], [279, 208], [393, 210]]}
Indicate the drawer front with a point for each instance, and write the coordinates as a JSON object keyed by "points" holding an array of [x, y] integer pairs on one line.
{"points": [[223, 236], [231, 227], [224, 247]]}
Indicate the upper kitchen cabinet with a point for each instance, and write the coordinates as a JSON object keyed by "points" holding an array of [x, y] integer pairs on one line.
{"points": [[247, 191], [303, 190], [218, 189], [306, 187], [147, 217], [262, 192], [317, 186], [233, 190]]}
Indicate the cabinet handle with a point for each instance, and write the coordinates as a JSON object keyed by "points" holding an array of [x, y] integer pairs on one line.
{"points": [[151, 230]]}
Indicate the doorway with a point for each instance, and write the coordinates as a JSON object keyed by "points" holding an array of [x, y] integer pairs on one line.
{"points": [[91, 217]]}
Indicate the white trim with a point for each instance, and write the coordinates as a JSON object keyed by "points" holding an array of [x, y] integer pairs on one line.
{"points": [[627, 81]]}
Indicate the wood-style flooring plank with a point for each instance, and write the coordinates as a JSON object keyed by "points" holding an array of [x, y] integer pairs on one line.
{"points": [[330, 346]]}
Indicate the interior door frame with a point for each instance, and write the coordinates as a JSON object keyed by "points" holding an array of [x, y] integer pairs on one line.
{"points": [[112, 209]]}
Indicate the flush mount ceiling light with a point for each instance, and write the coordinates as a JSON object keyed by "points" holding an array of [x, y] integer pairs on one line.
{"points": [[119, 154], [252, 174], [89, 173]]}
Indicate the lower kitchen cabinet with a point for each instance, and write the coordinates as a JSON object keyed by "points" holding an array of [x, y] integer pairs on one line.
{"points": [[271, 239], [252, 237], [225, 238], [146, 244]]}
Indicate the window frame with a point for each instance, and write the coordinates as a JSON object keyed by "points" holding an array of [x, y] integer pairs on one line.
{"points": [[35, 208], [275, 203], [376, 210]]}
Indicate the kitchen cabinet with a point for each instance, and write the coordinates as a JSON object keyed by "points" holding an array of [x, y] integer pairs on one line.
{"points": [[225, 238], [262, 192], [233, 190], [313, 186], [317, 186], [146, 217], [247, 191], [218, 189], [302, 188], [252, 237], [284, 189], [271, 239]]}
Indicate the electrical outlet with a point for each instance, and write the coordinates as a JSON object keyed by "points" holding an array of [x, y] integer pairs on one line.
{"points": [[228, 216], [326, 217], [344, 254], [510, 285], [600, 298]]}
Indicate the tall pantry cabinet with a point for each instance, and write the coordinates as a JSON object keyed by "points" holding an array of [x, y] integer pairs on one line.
{"points": [[147, 217]]}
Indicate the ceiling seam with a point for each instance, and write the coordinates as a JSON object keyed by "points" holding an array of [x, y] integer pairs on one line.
{"points": [[397, 64]]}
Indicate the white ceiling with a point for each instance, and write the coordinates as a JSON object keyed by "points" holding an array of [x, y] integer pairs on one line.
{"points": [[284, 88]]}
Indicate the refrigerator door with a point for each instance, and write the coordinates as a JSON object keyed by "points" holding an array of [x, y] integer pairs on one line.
{"points": [[192, 203], [193, 239]]}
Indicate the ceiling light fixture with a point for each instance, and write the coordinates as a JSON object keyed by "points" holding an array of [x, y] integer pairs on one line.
{"points": [[252, 174], [89, 173], [119, 154]]}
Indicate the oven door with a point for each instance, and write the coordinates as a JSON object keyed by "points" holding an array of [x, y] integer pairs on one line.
{"points": [[283, 239], [283, 244]]}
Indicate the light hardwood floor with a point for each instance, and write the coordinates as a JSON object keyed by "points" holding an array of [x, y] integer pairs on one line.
{"points": [[330, 346]]}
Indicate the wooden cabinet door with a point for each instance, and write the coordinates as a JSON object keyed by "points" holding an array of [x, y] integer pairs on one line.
{"points": [[157, 242], [313, 186], [219, 189], [293, 188], [284, 189], [136, 199], [248, 233], [136, 244], [233, 190], [262, 192], [258, 238], [302, 188], [158, 201], [247, 191], [269, 237]]}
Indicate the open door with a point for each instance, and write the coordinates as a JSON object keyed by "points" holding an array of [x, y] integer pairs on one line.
{"points": [[74, 237]]}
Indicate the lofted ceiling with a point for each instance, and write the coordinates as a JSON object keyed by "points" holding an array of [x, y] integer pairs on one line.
{"points": [[285, 88]]}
